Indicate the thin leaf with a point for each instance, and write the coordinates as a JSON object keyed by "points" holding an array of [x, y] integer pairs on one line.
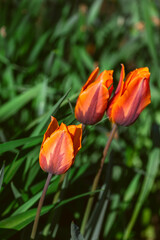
{"points": [[13, 106], [75, 232], [152, 169], [23, 219], [94, 10], [2, 175], [27, 205], [15, 191], [8, 146], [46, 117], [112, 215]]}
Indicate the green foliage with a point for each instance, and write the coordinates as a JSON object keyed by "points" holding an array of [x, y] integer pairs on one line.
{"points": [[47, 51]]}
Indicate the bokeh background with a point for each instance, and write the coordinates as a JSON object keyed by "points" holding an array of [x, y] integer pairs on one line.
{"points": [[48, 48]]}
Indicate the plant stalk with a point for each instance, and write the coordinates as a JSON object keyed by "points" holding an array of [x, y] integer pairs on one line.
{"points": [[35, 225], [56, 197], [96, 180]]}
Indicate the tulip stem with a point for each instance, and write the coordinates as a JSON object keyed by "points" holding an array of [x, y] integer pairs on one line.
{"points": [[35, 225], [96, 180]]}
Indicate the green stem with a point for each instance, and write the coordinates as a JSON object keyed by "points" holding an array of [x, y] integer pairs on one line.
{"points": [[96, 180], [56, 197], [35, 225]]}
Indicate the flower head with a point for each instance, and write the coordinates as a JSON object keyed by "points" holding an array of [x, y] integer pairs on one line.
{"points": [[93, 98], [130, 97], [59, 147]]}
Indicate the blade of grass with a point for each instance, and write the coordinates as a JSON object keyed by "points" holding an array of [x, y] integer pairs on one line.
{"points": [[46, 117], [13, 106], [152, 169], [9, 146], [21, 220], [75, 232], [2, 175], [93, 12]]}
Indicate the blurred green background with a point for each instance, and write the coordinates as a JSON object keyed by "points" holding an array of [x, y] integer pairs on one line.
{"points": [[47, 51]]}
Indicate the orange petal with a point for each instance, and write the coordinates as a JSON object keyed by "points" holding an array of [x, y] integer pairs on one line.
{"points": [[106, 78], [63, 127], [57, 154], [121, 82], [136, 75], [116, 95], [92, 104], [91, 79], [76, 135], [51, 128], [128, 106]]}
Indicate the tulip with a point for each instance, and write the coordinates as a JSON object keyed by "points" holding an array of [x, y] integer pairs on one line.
{"points": [[59, 147], [130, 97], [93, 98]]}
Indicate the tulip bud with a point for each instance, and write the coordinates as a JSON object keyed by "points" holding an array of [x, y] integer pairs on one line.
{"points": [[59, 147], [93, 98], [130, 97]]}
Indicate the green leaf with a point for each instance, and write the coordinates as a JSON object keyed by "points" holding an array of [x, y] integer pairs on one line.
{"points": [[8, 146], [132, 188], [112, 214], [65, 27], [93, 12], [13, 106], [15, 191], [32, 174], [28, 204], [2, 175], [149, 31], [38, 47], [23, 219], [152, 170], [12, 169], [75, 233], [46, 117]]}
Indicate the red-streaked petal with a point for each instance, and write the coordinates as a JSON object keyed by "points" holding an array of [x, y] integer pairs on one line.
{"points": [[76, 135], [128, 106], [51, 128], [106, 78], [92, 104], [116, 95], [146, 96], [57, 154], [91, 79], [121, 82], [136, 75]]}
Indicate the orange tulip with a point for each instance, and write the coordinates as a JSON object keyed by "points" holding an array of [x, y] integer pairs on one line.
{"points": [[130, 97], [59, 147], [93, 99]]}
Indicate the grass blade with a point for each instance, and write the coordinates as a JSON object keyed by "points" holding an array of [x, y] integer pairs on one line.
{"points": [[8, 146], [11, 107], [152, 169], [75, 233]]}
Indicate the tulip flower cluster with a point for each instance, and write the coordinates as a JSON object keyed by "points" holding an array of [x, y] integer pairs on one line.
{"points": [[61, 143], [128, 101]]}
